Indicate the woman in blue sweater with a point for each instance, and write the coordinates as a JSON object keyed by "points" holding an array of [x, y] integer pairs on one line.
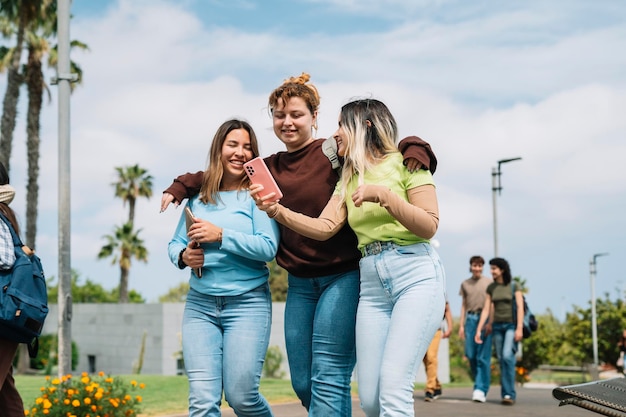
{"points": [[227, 318]]}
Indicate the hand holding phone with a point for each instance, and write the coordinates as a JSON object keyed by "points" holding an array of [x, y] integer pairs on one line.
{"points": [[258, 173], [189, 220]]}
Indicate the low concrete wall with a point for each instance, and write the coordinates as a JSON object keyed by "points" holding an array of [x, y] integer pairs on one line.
{"points": [[109, 338]]}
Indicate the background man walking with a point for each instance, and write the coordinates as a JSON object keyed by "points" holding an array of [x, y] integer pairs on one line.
{"points": [[474, 290]]}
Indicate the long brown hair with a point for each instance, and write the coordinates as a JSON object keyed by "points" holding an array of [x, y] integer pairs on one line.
{"points": [[212, 179], [4, 208]]}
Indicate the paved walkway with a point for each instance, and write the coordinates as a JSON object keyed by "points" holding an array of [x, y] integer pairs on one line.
{"points": [[533, 400]]}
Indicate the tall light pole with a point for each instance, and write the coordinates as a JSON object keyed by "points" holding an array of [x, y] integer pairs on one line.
{"points": [[496, 187], [594, 323]]}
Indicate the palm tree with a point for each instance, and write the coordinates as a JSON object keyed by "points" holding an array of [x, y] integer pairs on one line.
{"points": [[124, 245], [133, 182], [22, 12], [38, 46]]}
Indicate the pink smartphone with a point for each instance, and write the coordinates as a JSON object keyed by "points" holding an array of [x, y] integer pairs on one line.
{"points": [[258, 173]]}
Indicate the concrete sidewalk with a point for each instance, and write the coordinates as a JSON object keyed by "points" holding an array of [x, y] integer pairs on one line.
{"points": [[533, 400]]}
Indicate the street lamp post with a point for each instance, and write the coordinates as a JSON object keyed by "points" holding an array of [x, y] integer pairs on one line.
{"points": [[594, 323], [496, 187]]}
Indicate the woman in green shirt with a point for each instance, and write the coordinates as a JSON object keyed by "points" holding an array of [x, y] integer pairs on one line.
{"points": [[393, 213], [506, 327]]}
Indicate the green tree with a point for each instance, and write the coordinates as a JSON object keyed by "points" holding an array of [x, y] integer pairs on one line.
{"points": [[89, 292], [176, 294], [133, 182], [40, 31], [15, 15], [124, 245], [278, 281], [611, 319]]}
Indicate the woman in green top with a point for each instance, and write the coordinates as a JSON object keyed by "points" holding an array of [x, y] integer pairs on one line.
{"points": [[506, 327], [393, 213]]}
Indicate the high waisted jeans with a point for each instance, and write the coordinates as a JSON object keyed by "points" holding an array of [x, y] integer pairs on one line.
{"points": [[224, 344], [400, 309], [506, 348], [320, 316], [478, 355]]}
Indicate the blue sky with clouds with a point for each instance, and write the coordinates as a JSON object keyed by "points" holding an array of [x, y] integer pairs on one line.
{"points": [[481, 81]]}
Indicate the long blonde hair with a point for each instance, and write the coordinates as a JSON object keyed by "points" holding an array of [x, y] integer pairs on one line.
{"points": [[372, 133], [212, 178]]}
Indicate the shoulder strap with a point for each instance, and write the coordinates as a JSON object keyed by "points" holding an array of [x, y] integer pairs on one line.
{"points": [[16, 239], [329, 147]]}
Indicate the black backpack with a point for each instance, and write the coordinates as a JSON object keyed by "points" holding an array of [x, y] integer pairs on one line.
{"points": [[23, 297], [530, 323]]}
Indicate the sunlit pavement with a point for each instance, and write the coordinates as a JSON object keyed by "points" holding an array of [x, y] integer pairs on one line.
{"points": [[533, 400]]}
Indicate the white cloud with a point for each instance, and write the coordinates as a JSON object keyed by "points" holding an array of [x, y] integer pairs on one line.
{"points": [[479, 87]]}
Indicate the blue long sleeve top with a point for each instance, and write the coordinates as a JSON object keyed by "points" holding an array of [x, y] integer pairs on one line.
{"points": [[249, 240]]}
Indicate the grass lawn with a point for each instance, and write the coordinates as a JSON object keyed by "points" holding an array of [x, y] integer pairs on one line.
{"points": [[163, 394]]}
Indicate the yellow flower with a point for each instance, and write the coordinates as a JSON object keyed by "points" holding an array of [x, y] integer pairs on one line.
{"points": [[138, 398], [108, 380], [76, 403], [46, 411], [133, 383], [142, 385], [114, 402], [85, 379], [39, 400], [66, 401], [46, 404], [26, 412], [87, 400], [56, 381]]}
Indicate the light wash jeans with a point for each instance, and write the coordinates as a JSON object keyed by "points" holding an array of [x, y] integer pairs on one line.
{"points": [[320, 316], [224, 344], [506, 348], [479, 355], [400, 309]]}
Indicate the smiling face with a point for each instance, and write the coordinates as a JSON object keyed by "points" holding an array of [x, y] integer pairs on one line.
{"points": [[496, 273], [476, 269], [293, 123], [236, 150], [342, 139]]}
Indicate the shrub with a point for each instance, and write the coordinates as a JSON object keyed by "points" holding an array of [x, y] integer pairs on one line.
{"points": [[101, 395], [273, 360]]}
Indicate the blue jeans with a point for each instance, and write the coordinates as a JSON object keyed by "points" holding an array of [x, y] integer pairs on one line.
{"points": [[320, 316], [400, 309], [479, 356], [506, 347], [224, 344]]}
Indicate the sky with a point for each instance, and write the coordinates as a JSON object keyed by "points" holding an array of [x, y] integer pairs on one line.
{"points": [[481, 81]]}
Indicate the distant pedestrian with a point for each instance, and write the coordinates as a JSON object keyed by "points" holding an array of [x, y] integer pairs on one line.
{"points": [[474, 292], [622, 353], [431, 359], [506, 331]]}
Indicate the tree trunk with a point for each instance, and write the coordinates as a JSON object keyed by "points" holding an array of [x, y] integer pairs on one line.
{"points": [[35, 83], [123, 285], [11, 97], [131, 210]]}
